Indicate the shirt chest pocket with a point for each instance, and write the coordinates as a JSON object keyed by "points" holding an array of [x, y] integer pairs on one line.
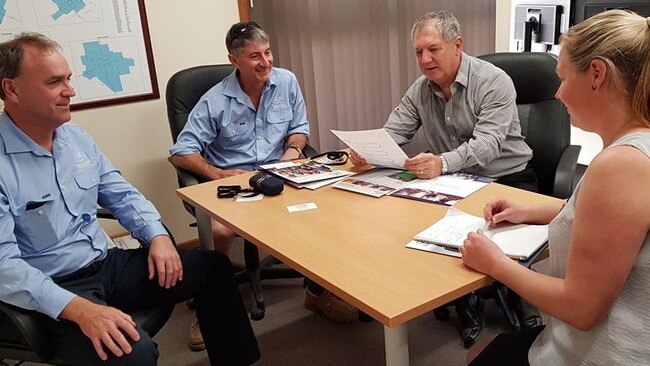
{"points": [[279, 120], [34, 225], [84, 199], [235, 131]]}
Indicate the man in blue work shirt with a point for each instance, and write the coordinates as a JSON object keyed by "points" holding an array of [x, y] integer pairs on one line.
{"points": [[53, 255], [255, 115]]}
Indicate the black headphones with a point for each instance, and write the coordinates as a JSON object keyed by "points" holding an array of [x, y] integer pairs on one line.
{"points": [[333, 158]]}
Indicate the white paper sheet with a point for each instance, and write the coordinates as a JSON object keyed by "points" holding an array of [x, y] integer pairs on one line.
{"points": [[376, 146]]}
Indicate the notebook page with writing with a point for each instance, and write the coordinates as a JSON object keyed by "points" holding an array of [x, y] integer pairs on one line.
{"points": [[517, 241]]}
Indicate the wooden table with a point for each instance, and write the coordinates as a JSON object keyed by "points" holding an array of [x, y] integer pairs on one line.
{"points": [[354, 245]]}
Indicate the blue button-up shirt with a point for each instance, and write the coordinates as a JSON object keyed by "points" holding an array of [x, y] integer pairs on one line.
{"points": [[48, 213], [230, 134]]}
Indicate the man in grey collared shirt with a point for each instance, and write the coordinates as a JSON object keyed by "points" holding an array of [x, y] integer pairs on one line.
{"points": [[467, 108]]}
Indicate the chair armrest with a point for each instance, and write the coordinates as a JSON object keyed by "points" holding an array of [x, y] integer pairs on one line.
{"points": [[104, 213], [32, 329], [565, 173], [309, 152]]}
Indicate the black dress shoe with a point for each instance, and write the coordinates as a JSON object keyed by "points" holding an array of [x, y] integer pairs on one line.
{"points": [[470, 321]]}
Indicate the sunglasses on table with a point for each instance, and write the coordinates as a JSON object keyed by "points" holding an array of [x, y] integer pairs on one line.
{"points": [[234, 191]]}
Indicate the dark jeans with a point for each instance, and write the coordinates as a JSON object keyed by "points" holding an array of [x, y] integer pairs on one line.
{"points": [[508, 349], [121, 281]]}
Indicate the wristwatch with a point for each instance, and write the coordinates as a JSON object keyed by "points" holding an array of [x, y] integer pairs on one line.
{"points": [[295, 148], [443, 165]]}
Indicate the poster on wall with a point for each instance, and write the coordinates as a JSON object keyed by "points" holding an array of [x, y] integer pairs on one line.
{"points": [[106, 43]]}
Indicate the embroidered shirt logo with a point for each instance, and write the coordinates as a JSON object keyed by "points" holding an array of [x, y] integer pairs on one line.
{"points": [[278, 103], [82, 160]]}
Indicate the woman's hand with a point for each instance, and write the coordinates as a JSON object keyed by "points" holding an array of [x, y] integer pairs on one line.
{"points": [[481, 254], [501, 209]]}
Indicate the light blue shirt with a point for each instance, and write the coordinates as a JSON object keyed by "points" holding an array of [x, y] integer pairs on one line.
{"points": [[230, 134], [48, 213]]}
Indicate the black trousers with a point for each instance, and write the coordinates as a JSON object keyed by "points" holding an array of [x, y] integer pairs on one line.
{"points": [[508, 349], [121, 281]]}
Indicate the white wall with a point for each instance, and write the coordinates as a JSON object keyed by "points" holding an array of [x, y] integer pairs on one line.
{"points": [[502, 33], [136, 136]]}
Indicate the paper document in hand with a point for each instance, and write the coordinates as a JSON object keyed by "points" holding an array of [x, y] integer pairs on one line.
{"points": [[304, 172], [443, 190], [517, 241], [377, 182], [376, 146]]}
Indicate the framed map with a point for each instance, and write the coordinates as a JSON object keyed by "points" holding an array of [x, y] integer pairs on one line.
{"points": [[106, 43]]}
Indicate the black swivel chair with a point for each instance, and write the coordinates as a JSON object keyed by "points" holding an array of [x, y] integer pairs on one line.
{"points": [[544, 119], [547, 130], [184, 90], [24, 337]]}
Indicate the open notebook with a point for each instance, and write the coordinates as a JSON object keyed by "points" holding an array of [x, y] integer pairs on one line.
{"points": [[518, 241]]}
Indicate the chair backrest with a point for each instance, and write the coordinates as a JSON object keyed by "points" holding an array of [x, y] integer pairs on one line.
{"points": [[544, 119], [186, 87], [184, 90]]}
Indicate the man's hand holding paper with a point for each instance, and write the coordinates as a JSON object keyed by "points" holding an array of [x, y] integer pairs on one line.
{"points": [[374, 147]]}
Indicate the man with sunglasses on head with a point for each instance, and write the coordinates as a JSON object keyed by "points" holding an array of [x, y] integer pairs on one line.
{"points": [[254, 116]]}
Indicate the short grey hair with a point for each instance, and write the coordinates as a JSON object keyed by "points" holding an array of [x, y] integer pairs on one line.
{"points": [[243, 33], [12, 53], [443, 21]]}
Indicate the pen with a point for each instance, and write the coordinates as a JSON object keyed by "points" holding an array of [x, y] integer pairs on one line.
{"points": [[486, 227]]}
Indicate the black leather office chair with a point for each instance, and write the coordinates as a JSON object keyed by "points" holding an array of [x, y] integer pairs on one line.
{"points": [[23, 336], [184, 90], [546, 127], [544, 119]]}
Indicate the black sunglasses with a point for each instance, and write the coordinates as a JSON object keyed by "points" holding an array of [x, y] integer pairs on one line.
{"points": [[235, 190], [331, 158], [238, 30]]}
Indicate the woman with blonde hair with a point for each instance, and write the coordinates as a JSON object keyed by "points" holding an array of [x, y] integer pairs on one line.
{"points": [[597, 295]]}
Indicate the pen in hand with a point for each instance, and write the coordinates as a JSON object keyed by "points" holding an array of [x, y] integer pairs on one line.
{"points": [[486, 227]]}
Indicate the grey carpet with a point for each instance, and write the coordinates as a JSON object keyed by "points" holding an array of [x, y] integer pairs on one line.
{"points": [[291, 335]]}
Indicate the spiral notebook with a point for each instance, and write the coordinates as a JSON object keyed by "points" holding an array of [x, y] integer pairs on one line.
{"points": [[518, 241]]}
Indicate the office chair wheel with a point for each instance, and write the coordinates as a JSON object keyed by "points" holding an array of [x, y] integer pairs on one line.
{"points": [[441, 313], [257, 313]]}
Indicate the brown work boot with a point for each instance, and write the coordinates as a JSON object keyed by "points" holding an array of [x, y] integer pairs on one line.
{"points": [[333, 307], [194, 337]]}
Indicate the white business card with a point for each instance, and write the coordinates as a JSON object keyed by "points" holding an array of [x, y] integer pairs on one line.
{"points": [[302, 207]]}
